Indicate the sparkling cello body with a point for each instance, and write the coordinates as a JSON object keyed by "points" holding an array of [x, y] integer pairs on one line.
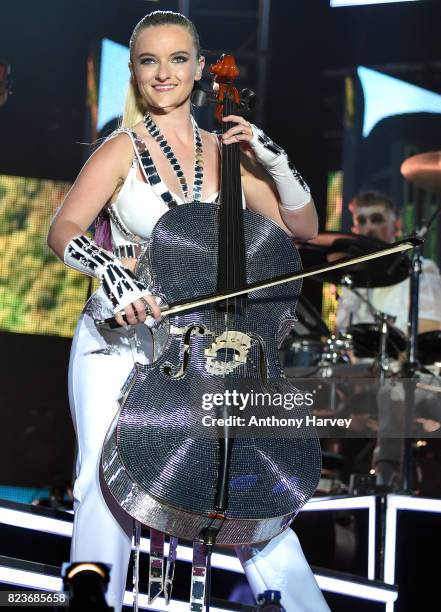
{"points": [[159, 460]]}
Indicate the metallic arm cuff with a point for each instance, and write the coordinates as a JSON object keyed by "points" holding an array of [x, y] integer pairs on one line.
{"points": [[119, 284], [293, 191]]}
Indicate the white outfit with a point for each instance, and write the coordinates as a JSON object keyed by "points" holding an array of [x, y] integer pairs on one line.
{"points": [[100, 363], [393, 300]]}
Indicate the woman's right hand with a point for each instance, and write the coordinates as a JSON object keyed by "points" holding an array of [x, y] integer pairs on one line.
{"points": [[136, 311]]}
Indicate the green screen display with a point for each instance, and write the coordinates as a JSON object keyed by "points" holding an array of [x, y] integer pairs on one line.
{"points": [[38, 293]]}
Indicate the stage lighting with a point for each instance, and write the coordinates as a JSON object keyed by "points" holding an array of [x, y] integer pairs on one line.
{"points": [[86, 583], [270, 601]]}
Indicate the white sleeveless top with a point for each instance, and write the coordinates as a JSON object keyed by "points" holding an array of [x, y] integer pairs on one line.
{"points": [[140, 204]]}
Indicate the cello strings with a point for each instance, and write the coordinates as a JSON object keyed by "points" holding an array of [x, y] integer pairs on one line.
{"points": [[238, 225], [226, 172], [232, 183], [235, 227], [235, 213]]}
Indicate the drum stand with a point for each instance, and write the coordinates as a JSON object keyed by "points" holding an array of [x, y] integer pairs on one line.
{"points": [[383, 320], [335, 348], [409, 369], [385, 404], [412, 365], [388, 453]]}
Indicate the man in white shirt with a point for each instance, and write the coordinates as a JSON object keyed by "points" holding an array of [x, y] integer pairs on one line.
{"points": [[374, 215]]}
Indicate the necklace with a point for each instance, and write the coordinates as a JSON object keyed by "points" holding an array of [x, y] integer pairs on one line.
{"points": [[198, 176]]}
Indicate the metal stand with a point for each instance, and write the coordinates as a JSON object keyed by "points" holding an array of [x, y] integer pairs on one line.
{"points": [[412, 365], [409, 369], [335, 349], [383, 320], [387, 453]]}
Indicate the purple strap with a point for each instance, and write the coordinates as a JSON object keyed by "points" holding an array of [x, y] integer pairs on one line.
{"points": [[102, 235]]}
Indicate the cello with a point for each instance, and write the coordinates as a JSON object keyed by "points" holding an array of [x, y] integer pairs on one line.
{"points": [[158, 460]]}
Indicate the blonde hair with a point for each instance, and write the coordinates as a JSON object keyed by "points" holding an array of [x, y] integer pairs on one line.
{"points": [[134, 108]]}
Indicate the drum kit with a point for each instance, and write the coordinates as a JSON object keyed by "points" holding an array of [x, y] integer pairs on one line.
{"points": [[310, 341], [376, 349]]}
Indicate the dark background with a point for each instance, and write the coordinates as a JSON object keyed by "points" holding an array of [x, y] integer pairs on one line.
{"points": [[311, 49]]}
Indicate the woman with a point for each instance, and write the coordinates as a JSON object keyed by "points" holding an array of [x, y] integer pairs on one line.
{"points": [[165, 61]]}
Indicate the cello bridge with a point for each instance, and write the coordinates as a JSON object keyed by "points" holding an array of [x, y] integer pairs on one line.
{"points": [[227, 352]]}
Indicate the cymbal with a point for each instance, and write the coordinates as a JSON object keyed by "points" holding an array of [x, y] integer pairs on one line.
{"points": [[424, 170], [330, 246]]}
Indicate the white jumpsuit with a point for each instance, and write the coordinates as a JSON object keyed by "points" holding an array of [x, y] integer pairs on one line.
{"points": [[100, 364]]}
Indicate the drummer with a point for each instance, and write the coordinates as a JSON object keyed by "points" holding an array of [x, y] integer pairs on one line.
{"points": [[374, 216]]}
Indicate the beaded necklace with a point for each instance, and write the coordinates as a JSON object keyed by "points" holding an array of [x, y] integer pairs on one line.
{"points": [[155, 133]]}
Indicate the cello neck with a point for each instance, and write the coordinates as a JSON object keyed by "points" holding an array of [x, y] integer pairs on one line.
{"points": [[231, 242]]}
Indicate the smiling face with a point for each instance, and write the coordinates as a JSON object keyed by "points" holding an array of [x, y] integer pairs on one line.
{"points": [[165, 65]]}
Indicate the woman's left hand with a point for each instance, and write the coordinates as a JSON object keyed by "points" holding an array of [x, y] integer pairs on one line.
{"points": [[242, 133]]}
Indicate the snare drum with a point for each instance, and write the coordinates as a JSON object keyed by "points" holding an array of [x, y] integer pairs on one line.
{"points": [[300, 352], [366, 339]]}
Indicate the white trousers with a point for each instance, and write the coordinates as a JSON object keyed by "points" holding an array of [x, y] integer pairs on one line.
{"points": [[99, 366]]}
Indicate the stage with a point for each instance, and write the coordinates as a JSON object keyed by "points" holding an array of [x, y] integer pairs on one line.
{"points": [[399, 532]]}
